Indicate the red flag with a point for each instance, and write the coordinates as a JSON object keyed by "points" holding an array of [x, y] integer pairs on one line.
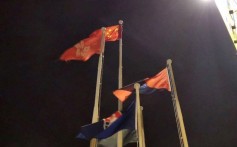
{"points": [[90, 46], [148, 85], [159, 81], [82, 50], [112, 33], [121, 94]]}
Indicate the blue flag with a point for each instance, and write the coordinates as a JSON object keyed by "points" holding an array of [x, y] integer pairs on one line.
{"points": [[111, 125], [128, 137]]}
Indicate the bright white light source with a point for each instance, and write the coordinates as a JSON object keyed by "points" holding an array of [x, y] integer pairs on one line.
{"points": [[206, 0]]}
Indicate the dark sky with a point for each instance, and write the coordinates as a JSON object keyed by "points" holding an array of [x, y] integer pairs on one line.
{"points": [[44, 101]]}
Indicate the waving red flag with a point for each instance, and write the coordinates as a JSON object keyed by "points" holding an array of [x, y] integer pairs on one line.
{"points": [[112, 33], [158, 82], [90, 46]]}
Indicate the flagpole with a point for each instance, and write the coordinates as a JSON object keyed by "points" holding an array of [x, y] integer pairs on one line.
{"points": [[142, 127], [177, 109], [120, 81], [95, 117], [138, 114]]}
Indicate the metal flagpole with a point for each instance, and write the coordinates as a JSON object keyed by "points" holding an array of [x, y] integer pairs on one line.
{"points": [[177, 110], [138, 114], [120, 81], [142, 127], [95, 118]]}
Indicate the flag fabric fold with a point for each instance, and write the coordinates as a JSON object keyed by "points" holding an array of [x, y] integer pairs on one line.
{"points": [[129, 136], [109, 126], [84, 49], [158, 82]]}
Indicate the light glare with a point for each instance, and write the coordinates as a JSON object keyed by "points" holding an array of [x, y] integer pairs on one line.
{"points": [[205, 0]]}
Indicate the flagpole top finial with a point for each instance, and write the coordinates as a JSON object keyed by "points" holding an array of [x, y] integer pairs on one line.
{"points": [[120, 22], [103, 28], [136, 85], [169, 61]]}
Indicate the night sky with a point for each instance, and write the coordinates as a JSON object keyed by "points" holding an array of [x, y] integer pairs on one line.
{"points": [[45, 101]]}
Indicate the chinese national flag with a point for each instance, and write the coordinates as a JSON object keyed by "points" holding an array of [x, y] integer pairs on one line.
{"points": [[90, 46], [112, 33]]}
